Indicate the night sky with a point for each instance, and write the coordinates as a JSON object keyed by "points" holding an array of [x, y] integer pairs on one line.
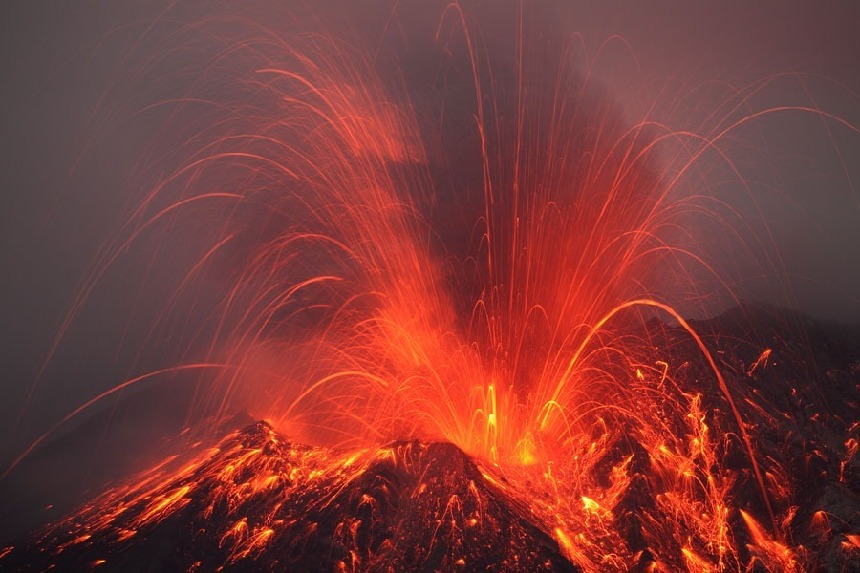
{"points": [[82, 142]]}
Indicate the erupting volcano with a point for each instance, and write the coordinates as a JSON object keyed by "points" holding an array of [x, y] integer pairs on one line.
{"points": [[459, 296]]}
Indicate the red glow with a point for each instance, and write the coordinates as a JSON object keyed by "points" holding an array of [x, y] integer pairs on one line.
{"points": [[352, 320]]}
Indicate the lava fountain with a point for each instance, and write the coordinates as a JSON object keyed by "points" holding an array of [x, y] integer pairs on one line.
{"points": [[495, 264]]}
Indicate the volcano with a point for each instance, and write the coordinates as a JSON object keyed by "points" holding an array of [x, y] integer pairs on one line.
{"points": [[453, 266], [255, 501]]}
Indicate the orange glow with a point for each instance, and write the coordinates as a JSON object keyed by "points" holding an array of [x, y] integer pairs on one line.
{"points": [[352, 319], [768, 550], [760, 362]]}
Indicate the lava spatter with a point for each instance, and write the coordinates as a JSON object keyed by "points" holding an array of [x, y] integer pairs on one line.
{"points": [[459, 294], [256, 502]]}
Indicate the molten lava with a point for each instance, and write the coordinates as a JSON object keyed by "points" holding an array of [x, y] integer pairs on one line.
{"points": [[633, 499], [491, 287], [256, 502]]}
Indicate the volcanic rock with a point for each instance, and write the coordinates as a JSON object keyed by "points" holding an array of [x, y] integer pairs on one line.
{"points": [[259, 503]]}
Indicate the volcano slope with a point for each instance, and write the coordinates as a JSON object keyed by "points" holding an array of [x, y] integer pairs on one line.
{"points": [[257, 502]]}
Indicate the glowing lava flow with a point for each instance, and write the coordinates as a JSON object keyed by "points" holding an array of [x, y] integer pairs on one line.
{"points": [[357, 314], [258, 502]]}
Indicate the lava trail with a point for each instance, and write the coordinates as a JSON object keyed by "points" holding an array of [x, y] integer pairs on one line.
{"points": [[453, 291]]}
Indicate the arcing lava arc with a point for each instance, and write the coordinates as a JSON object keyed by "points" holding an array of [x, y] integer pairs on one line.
{"points": [[457, 293]]}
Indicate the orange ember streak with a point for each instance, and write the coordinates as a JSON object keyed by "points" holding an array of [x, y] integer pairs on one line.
{"points": [[760, 362], [714, 368], [165, 505], [100, 397], [770, 550]]}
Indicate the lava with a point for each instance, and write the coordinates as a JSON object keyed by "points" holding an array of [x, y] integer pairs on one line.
{"points": [[474, 367], [256, 501]]}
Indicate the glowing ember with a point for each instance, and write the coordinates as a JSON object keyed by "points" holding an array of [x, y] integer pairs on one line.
{"points": [[504, 323], [263, 503]]}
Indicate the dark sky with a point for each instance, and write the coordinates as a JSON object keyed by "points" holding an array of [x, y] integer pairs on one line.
{"points": [[77, 151]]}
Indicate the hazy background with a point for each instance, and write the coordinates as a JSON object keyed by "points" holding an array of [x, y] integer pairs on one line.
{"points": [[78, 149]]}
